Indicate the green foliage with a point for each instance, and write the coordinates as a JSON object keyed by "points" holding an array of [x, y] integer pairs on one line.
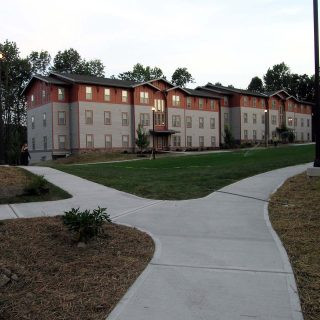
{"points": [[140, 73], [39, 61], [181, 77], [86, 224], [256, 84], [37, 186], [70, 61], [229, 141], [277, 77], [142, 140], [291, 137], [285, 134]]}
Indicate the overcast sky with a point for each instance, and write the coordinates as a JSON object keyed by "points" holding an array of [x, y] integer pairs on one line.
{"points": [[229, 41]]}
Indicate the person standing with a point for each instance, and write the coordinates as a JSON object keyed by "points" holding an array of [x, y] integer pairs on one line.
{"points": [[25, 155]]}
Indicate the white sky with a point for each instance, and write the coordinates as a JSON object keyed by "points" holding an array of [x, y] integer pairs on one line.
{"points": [[229, 41]]}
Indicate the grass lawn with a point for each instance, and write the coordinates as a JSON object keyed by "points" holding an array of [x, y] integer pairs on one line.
{"points": [[58, 280], [186, 177], [298, 225], [14, 181]]}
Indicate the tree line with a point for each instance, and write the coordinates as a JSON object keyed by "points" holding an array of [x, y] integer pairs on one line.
{"points": [[16, 71]]}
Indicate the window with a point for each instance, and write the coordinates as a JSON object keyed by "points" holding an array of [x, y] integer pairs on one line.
{"points": [[89, 93], [213, 141], [125, 120], [201, 122], [226, 117], [263, 117], [274, 120], [245, 133], [273, 104], [200, 103], [32, 100], [44, 119], [124, 96], [33, 141], [176, 101], [107, 95], [263, 103], [212, 123], [245, 118], [160, 119], [201, 141], [62, 142], [61, 118], [32, 122], [302, 136], [125, 141], [89, 116], [290, 106], [43, 95], [290, 121], [274, 134], [245, 101], [60, 94], [254, 102], [144, 97], [189, 141], [45, 144], [308, 136], [254, 118], [295, 122], [225, 101], [176, 141], [302, 122], [108, 141], [212, 104], [176, 121], [188, 102], [89, 141], [159, 105], [189, 122], [107, 117], [308, 123], [262, 135], [145, 119], [254, 134]]}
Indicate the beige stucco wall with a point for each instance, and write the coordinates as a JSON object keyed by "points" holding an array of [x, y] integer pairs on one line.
{"points": [[250, 126], [63, 130]]}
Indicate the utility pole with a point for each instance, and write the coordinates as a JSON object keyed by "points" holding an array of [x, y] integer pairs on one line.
{"points": [[1, 115], [316, 112]]}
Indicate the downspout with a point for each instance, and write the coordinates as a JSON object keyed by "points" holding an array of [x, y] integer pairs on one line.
{"points": [[133, 119]]}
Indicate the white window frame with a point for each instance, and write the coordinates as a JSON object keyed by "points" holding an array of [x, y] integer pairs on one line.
{"points": [[64, 118], [124, 95], [106, 142], [188, 121], [88, 120], [212, 123], [62, 142], [125, 141], [125, 119], [107, 94], [144, 97], [176, 121], [88, 142], [107, 118], [176, 101], [61, 94], [88, 93], [201, 122]]}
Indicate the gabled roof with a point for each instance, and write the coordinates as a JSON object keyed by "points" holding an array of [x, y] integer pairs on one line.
{"points": [[80, 78], [199, 93], [178, 88], [214, 91]]}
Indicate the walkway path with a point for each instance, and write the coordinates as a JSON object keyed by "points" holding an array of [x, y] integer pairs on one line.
{"points": [[217, 258]]}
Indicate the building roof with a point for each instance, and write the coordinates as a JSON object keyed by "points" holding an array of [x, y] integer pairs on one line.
{"points": [[204, 94]]}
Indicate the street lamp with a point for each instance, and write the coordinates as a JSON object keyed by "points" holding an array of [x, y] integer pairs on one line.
{"points": [[153, 134], [266, 131]]}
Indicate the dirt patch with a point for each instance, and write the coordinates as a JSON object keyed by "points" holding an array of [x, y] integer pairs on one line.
{"points": [[295, 215], [57, 280], [13, 180]]}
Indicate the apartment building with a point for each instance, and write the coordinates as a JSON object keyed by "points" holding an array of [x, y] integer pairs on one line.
{"points": [[69, 113], [254, 116]]}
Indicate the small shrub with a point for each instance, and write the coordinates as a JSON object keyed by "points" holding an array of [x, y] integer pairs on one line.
{"points": [[229, 140], [86, 224], [37, 186]]}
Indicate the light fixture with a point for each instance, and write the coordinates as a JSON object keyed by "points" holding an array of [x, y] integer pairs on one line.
{"points": [[266, 111], [153, 109], [1, 55]]}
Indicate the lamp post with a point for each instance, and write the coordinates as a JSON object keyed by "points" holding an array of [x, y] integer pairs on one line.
{"points": [[153, 134], [266, 131], [316, 83], [1, 115]]}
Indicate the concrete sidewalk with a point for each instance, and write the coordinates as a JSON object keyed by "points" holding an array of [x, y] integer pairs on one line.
{"points": [[216, 257]]}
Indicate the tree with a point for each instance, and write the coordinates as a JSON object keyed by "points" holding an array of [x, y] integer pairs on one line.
{"points": [[140, 73], [39, 61], [218, 84], [181, 77], [142, 140], [256, 85], [70, 61], [277, 77], [229, 140], [301, 86], [230, 86]]}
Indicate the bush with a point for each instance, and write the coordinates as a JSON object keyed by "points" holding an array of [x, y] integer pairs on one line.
{"points": [[229, 141], [37, 186], [86, 224]]}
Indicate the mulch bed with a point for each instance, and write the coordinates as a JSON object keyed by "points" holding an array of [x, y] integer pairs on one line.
{"points": [[295, 215], [59, 280], [13, 180]]}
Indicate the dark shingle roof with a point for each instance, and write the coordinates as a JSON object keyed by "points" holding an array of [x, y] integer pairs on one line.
{"points": [[80, 78], [50, 79], [200, 93]]}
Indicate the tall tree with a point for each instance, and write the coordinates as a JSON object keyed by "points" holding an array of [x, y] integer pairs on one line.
{"points": [[39, 61], [70, 61], [256, 84], [277, 77], [140, 73], [181, 77]]}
